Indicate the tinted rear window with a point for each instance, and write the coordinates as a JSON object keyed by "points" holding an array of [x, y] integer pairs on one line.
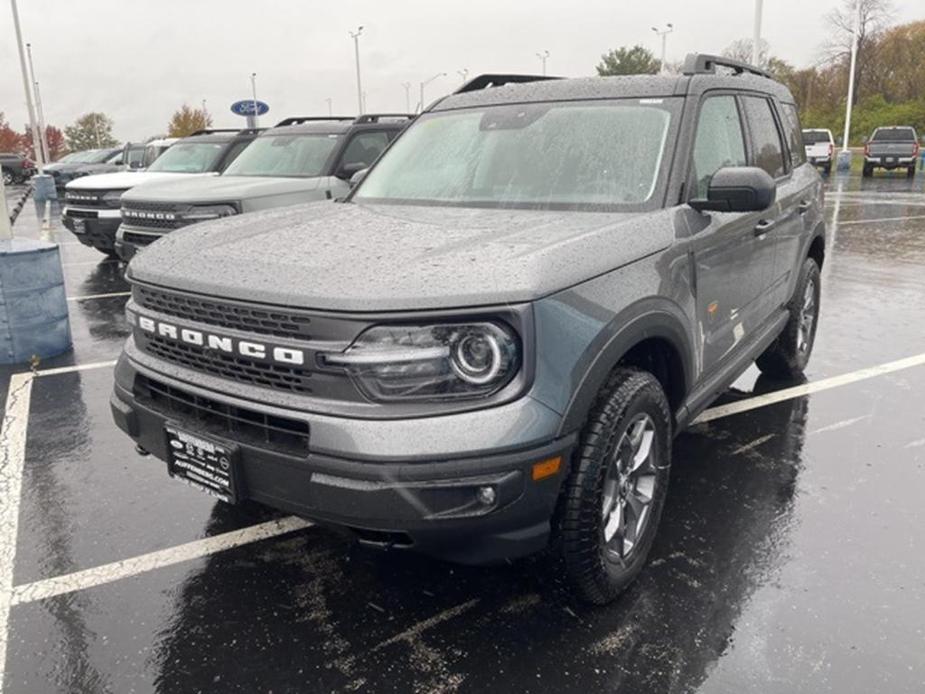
{"points": [[814, 137], [894, 135]]}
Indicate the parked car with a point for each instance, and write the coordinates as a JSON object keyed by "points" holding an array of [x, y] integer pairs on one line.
{"points": [[490, 344], [820, 148], [16, 168], [893, 147], [155, 148], [63, 172], [92, 204], [299, 160]]}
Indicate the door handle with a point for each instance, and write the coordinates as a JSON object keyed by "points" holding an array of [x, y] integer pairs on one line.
{"points": [[764, 226], [804, 206]]}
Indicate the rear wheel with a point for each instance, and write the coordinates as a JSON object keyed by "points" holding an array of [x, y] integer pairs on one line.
{"points": [[910, 172], [789, 354], [868, 171], [613, 498], [827, 169]]}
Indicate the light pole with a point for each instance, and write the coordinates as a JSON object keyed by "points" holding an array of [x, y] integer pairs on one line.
{"points": [[407, 86], [330, 106], [425, 83], [669, 27], [464, 73], [253, 123], [756, 35], [846, 156], [543, 56], [26, 87], [204, 111], [43, 137], [355, 35]]}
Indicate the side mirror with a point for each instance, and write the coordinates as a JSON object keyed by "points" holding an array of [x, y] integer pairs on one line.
{"points": [[347, 171], [136, 164], [738, 189], [357, 177]]}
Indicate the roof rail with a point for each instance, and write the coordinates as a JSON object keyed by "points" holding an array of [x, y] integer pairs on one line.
{"points": [[212, 131], [702, 64], [376, 117], [296, 120], [490, 80]]}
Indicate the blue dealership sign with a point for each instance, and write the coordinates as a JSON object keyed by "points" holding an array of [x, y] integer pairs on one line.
{"points": [[246, 107]]}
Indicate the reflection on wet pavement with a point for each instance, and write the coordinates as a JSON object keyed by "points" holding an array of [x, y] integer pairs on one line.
{"points": [[789, 559]]}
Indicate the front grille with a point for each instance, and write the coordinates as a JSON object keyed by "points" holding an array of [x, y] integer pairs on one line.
{"points": [[154, 215], [241, 369], [167, 224], [81, 214], [91, 199], [139, 239], [263, 321], [289, 436]]}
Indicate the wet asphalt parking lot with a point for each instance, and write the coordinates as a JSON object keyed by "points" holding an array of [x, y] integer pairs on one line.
{"points": [[791, 556]]}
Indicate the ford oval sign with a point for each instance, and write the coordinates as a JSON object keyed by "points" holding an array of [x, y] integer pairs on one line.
{"points": [[246, 107]]}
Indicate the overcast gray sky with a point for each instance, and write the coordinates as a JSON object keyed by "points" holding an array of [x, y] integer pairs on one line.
{"points": [[139, 60]]}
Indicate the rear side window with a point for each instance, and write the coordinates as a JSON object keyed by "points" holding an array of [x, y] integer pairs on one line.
{"points": [[894, 135], [365, 148], [767, 148], [815, 137], [718, 141], [794, 135]]}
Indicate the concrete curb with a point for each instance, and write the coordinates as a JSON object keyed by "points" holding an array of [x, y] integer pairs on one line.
{"points": [[18, 205]]}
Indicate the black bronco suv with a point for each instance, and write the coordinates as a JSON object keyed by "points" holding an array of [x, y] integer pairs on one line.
{"points": [[488, 348]]}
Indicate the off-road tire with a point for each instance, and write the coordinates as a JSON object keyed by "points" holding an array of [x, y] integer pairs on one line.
{"points": [[595, 574], [784, 358], [910, 171]]}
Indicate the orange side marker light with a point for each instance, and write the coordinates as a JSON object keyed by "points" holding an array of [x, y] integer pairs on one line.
{"points": [[546, 468]]}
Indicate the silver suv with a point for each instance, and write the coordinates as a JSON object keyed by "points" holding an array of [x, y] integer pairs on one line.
{"points": [[487, 349]]}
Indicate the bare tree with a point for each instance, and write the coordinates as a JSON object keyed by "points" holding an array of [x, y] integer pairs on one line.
{"points": [[875, 16], [741, 50]]}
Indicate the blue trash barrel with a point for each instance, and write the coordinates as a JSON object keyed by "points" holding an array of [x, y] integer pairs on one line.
{"points": [[44, 188], [33, 303]]}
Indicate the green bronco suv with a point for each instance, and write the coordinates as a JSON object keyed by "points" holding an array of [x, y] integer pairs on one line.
{"points": [[487, 348]]}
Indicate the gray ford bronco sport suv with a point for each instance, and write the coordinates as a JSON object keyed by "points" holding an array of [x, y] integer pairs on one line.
{"points": [[488, 347]]}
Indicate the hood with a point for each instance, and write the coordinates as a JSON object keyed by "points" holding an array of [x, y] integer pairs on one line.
{"points": [[126, 179], [351, 257], [220, 189], [88, 169]]}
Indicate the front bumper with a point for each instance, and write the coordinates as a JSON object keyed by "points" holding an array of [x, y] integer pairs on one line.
{"points": [[426, 505], [99, 227], [129, 241]]}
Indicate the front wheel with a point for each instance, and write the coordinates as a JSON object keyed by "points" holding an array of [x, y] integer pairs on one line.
{"points": [[613, 497], [789, 354], [7, 178]]}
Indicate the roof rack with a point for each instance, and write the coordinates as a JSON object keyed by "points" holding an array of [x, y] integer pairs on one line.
{"points": [[490, 80], [702, 64], [377, 117], [296, 120], [212, 131]]}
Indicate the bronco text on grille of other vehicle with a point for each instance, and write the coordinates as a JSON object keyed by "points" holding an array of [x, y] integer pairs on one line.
{"points": [[488, 347]]}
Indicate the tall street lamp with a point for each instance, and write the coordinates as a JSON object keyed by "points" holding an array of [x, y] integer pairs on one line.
{"points": [[464, 73], [253, 123], [756, 34], [26, 87], [355, 35], [330, 106], [844, 158], [669, 27], [424, 84], [407, 86], [43, 137], [543, 56]]}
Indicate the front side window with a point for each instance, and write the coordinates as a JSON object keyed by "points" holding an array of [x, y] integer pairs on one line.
{"points": [[302, 155], [188, 157], [718, 143], [364, 148], [767, 149], [567, 155]]}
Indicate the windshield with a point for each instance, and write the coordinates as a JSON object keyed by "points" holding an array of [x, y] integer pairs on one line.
{"points": [[570, 155], [894, 135], [189, 157], [99, 156], [814, 137], [301, 155]]}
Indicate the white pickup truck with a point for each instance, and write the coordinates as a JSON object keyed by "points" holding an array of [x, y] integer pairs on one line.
{"points": [[820, 148]]}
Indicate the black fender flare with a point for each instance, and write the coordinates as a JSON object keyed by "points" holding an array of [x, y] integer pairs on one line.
{"points": [[646, 319]]}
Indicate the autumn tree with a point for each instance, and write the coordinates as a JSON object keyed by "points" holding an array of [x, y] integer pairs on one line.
{"points": [[188, 120], [10, 140], [633, 60], [53, 137], [90, 131]]}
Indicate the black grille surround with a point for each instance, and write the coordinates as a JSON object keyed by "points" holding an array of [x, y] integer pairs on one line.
{"points": [[293, 379], [288, 436], [236, 316]]}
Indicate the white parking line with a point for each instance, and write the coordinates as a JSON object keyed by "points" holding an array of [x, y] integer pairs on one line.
{"points": [[882, 219], [97, 296], [12, 459], [807, 388], [90, 262], [107, 573], [76, 367]]}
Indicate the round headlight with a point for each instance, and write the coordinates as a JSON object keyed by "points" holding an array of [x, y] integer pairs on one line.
{"points": [[477, 357]]}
